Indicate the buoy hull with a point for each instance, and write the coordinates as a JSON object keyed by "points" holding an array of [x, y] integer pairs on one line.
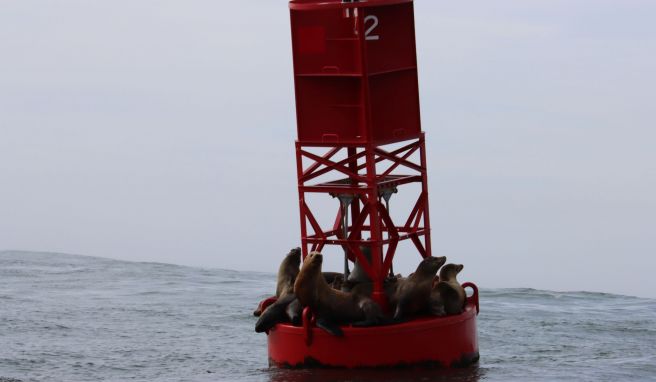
{"points": [[450, 341]]}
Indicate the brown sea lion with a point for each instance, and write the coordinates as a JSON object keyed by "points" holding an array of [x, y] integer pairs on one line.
{"points": [[287, 272], [451, 292], [337, 282], [286, 276], [280, 311], [359, 281], [275, 313], [333, 278], [287, 308], [366, 288], [358, 274], [260, 307], [332, 307], [412, 294], [436, 307], [294, 312]]}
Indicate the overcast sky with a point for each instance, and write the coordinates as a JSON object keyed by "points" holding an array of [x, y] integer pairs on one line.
{"points": [[163, 131]]}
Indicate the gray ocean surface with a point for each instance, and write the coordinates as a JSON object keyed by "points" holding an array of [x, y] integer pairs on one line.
{"points": [[78, 318]]}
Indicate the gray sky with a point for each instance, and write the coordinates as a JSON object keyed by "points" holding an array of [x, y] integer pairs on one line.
{"points": [[163, 131]]}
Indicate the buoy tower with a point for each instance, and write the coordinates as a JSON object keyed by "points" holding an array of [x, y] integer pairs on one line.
{"points": [[355, 72], [360, 142]]}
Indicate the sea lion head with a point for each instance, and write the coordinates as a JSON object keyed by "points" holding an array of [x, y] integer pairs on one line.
{"points": [[288, 271], [430, 265], [450, 271], [309, 279], [293, 258], [312, 263], [358, 274]]}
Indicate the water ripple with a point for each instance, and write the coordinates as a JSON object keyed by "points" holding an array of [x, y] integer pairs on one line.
{"points": [[78, 318]]}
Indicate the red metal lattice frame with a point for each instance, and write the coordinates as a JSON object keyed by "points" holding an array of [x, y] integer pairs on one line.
{"points": [[356, 175]]}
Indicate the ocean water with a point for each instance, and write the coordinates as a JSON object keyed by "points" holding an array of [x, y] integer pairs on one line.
{"points": [[78, 318]]}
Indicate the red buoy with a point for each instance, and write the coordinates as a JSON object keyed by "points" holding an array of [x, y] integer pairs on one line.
{"points": [[449, 341], [359, 142]]}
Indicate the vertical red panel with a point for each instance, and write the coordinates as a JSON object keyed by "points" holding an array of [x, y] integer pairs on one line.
{"points": [[389, 32], [330, 43]]}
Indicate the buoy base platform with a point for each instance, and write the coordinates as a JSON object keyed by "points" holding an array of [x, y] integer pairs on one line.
{"points": [[449, 341]]}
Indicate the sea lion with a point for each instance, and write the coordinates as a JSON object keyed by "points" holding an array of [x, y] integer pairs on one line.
{"points": [[294, 312], [337, 282], [260, 307], [287, 308], [332, 307], [279, 310], [275, 313], [359, 275], [286, 276], [287, 272], [359, 282], [366, 288], [333, 278], [451, 292], [436, 305], [412, 295]]}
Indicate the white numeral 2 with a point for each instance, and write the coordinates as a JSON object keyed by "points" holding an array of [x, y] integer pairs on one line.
{"points": [[374, 24]]}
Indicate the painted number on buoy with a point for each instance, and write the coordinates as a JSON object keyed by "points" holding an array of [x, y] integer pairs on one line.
{"points": [[374, 24]]}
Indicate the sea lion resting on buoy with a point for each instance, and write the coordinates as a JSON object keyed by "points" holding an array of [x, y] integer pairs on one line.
{"points": [[412, 294], [275, 313], [337, 282], [367, 288], [332, 307], [359, 281], [450, 291], [287, 308], [284, 308], [436, 305], [334, 279], [286, 276], [359, 275], [287, 272]]}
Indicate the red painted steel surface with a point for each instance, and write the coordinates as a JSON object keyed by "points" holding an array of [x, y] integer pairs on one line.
{"points": [[332, 4], [444, 341], [355, 72], [365, 173]]}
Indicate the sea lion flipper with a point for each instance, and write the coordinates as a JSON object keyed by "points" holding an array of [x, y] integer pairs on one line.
{"points": [[330, 326], [269, 318], [294, 312], [274, 314]]}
